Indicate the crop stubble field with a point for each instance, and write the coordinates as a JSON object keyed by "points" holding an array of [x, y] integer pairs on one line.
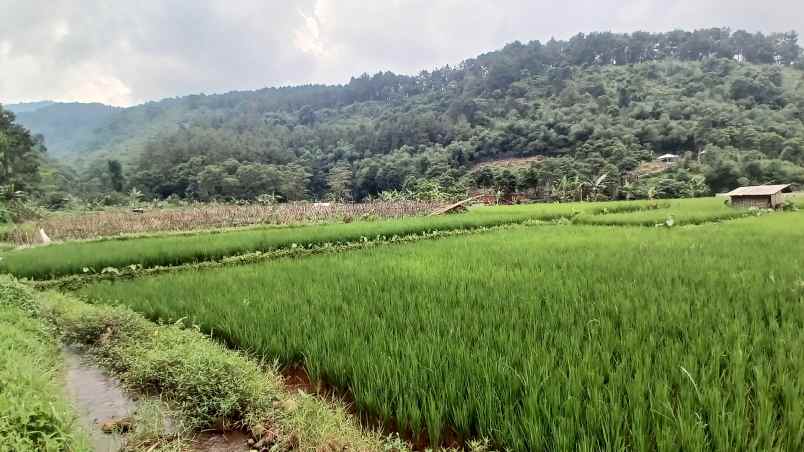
{"points": [[540, 337]]}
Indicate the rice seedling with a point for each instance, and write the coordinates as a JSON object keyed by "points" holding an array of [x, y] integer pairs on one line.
{"points": [[673, 213], [539, 338]]}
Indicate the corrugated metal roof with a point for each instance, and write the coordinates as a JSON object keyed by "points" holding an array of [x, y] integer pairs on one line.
{"points": [[758, 190]]}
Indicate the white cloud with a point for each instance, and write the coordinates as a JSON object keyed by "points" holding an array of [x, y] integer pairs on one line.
{"points": [[127, 52]]}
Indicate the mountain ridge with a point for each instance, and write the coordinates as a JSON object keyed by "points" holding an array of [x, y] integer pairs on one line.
{"points": [[597, 103]]}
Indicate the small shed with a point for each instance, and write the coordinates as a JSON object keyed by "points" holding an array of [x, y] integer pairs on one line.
{"points": [[669, 158], [759, 196]]}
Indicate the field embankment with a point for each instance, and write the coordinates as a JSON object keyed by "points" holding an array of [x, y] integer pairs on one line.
{"points": [[89, 257], [583, 337]]}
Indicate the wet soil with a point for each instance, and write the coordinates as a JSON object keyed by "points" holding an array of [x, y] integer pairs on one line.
{"points": [[221, 442], [297, 378]]}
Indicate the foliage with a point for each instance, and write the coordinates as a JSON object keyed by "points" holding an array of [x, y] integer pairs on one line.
{"points": [[545, 338], [20, 154]]}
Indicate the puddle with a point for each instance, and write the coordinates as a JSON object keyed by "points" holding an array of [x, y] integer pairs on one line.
{"points": [[97, 397]]}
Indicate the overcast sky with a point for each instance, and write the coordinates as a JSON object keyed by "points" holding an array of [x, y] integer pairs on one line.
{"points": [[125, 52]]}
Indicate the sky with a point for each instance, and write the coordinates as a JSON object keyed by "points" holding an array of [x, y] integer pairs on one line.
{"points": [[128, 52]]}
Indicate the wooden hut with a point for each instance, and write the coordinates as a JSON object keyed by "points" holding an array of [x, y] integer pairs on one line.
{"points": [[759, 196]]}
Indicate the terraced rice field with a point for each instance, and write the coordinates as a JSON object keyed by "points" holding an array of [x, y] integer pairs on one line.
{"points": [[546, 337], [169, 250]]}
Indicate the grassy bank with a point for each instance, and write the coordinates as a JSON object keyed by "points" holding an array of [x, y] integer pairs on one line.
{"points": [[540, 338], [206, 385], [34, 415], [93, 257]]}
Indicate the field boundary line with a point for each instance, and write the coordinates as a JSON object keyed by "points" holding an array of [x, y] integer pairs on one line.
{"points": [[76, 281]]}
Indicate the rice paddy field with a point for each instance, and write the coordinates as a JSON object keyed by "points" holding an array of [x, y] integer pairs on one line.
{"points": [[68, 258], [554, 336]]}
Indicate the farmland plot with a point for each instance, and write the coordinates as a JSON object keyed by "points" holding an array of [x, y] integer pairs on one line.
{"points": [[547, 337], [170, 250]]}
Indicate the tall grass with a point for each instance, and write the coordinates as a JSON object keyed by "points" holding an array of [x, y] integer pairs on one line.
{"points": [[541, 338], [74, 257]]}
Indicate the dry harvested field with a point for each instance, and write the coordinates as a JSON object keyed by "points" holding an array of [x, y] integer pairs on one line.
{"points": [[206, 216]]}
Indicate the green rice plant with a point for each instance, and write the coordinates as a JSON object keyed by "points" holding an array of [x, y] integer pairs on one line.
{"points": [[673, 213], [81, 257], [538, 338]]}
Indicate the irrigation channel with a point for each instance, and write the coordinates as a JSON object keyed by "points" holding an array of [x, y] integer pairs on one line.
{"points": [[102, 403]]}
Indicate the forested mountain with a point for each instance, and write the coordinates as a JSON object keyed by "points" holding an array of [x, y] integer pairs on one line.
{"points": [[27, 107], [69, 128], [595, 107]]}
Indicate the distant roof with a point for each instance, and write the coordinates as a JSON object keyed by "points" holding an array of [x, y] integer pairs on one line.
{"points": [[667, 156], [758, 190]]}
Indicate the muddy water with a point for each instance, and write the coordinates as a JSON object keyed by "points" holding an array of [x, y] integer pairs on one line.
{"points": [[97, 397]]}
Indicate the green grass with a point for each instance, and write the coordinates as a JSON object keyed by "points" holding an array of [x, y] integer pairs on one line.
{"points": [[33, 413], [540, 338], [74, 257]]}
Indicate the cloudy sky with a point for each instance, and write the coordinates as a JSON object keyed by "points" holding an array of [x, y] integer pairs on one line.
{"points": [[126, 52]]}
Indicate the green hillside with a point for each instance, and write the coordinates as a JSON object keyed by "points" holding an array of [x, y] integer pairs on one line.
{"points": [[595, 106]]}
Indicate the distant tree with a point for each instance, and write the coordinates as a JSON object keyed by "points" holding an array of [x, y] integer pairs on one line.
{"points": [[116, 175], [484, 177], [340, 182], [20, 154], [506, 181]]}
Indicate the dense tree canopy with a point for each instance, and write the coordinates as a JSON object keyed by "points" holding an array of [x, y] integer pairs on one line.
{"points": [[597, 107], [20, 154]]}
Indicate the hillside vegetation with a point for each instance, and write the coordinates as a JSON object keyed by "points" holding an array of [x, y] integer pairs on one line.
{"points": [[594, 106]]}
